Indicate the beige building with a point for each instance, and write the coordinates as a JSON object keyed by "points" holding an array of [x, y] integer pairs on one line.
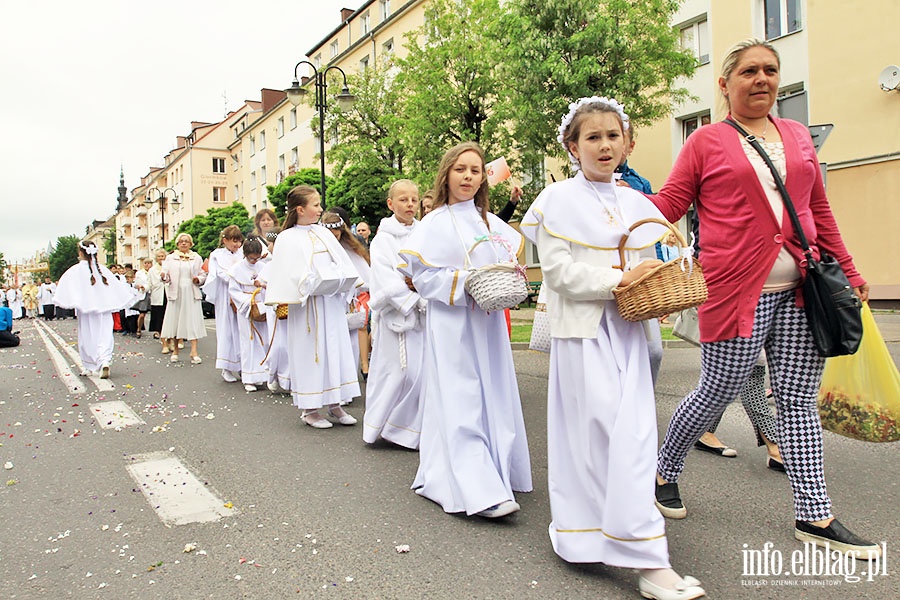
{"points": [[831, 54]]}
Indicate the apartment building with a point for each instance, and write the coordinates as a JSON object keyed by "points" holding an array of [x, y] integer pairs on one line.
{"points": [[831, 55]]}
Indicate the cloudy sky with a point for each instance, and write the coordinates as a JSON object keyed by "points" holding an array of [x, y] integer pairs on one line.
{"points": [[89, 86]]}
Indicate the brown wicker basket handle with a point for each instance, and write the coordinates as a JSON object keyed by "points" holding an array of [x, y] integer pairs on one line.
{"points": [[681, 241]]}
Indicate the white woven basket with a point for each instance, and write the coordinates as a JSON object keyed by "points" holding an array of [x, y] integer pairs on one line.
{"points": [[497, 286], [540, 329]]}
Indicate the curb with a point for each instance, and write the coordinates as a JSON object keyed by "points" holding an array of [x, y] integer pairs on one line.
{"points": [[666, 344]]}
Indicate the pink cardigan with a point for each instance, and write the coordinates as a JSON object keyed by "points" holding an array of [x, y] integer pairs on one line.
{"points": [[739, 236]]}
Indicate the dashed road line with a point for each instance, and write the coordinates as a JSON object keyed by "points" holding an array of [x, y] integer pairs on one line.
{"points": [[176, 494], [114, 414]]}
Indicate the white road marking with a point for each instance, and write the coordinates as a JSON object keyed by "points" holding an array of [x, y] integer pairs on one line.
{"points": [[176, 495], [71, 381], [104, 385], [114, 413]]}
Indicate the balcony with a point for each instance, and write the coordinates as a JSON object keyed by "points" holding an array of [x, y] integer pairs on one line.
{"points": [[139, 209], [141, 232]]}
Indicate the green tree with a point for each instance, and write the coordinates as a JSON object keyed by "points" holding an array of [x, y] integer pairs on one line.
{"points": [[369, 133], [277, 194], [206, 229], [3, 267], [362, 190], [560, 50], [64, 255], [109, 245], [450, 85]]}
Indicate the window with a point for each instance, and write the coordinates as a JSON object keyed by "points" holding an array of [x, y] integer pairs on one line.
{"points": [[218, 165], [237, 194], [252, 180], [334, 48], [317, 59], [691, 124], [793, 104], [317, 143], [293, 118], [262, 140], [365, 24], [235, 161], [384, 9], [782, 17], [218, 194], [364, 64], [262, 175], [695, 38], [252, 145], [295, 158], [280, 127], [281, 164], [387, 48]]}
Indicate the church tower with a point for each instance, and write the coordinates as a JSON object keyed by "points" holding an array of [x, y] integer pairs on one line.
{"points": [[123, 191]]}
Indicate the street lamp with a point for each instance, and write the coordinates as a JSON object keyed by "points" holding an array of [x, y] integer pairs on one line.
{"points": [[345, 101], [161, 198]]}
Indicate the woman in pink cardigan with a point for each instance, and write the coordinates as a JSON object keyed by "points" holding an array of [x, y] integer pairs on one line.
{"points": [[754, 266]]}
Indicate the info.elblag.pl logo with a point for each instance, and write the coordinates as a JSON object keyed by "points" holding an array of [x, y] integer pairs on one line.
{"points": [[830, 566]]}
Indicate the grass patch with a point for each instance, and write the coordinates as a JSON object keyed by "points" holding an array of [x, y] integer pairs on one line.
{"points": [[522, 333]]}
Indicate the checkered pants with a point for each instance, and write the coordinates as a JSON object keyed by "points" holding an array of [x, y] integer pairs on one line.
{"points": [[795, 371], [753, 398]]}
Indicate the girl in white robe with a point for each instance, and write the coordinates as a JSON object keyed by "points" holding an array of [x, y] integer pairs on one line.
{"points": [[393, 407], [602, 437], [228, 344], [473, 452], [312, 273], [277, 362], [246, 291], [95, 294], [359, 256]]}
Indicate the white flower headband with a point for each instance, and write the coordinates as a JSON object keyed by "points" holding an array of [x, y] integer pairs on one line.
{"points": [[336, 225], [573, 108], [89, 250]]}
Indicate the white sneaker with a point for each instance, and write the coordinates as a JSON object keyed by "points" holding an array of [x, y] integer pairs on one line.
{"points": [[500, 510], [273, 387], [228, 376], [249, 387]]}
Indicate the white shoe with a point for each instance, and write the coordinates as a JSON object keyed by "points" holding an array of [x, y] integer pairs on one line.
{"points": [[181, 345], [273, 387], [345, 419], [500, 510], [687, 589], [196, 360], [314, 419], [104, 372], [174, 358], [228, 376], [165, 349], [249, 387]]}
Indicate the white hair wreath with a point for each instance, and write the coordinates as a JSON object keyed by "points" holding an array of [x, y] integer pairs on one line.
{"points": [[573, 108]]}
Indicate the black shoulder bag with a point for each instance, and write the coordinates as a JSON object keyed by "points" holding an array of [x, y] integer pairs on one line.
{"points": [[832, 307]]}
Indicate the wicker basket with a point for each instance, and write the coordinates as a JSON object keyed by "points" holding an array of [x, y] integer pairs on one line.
{"points": [[498, 285], [256, 314], [668, 288], [281, 311]]}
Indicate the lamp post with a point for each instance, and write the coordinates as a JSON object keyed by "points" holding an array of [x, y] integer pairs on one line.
{"points": [[345, 101], [161, 198]]}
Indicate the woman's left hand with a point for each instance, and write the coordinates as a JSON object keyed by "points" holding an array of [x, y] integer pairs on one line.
{"points": [[863, 292], [196, 280]]}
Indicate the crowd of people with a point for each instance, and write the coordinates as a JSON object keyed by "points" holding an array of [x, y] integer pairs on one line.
{"points": [[307, 307]]}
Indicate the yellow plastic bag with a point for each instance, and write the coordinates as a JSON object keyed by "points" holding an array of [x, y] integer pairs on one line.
{"points": [[860, 393]]}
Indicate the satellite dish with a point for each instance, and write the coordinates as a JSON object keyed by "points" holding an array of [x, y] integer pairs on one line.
{"points": [[889, 78]]}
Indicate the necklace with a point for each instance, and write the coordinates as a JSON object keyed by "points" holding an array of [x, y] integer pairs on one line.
{"points": [[761, 136]]}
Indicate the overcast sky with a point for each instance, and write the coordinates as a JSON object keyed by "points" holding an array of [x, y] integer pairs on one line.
{"points": [[89, 86]]}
